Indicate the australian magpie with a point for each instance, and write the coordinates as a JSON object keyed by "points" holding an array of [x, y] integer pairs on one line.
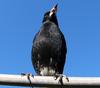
{"points": [[49, 47]]}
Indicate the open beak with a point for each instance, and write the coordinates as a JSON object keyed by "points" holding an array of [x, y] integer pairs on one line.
{"points": [[53, 10]]}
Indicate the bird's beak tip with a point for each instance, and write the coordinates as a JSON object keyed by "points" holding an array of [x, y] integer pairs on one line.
{"points": [[56, 6], [53, 10]]}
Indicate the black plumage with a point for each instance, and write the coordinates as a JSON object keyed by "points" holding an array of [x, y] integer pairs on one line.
{"points": [[49, 47]]}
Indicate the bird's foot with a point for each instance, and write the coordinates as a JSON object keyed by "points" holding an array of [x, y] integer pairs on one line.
{"points": [[61, 76], [27, 74]]}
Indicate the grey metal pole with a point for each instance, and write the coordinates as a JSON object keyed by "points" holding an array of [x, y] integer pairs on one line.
{"points": [[48, 81]]}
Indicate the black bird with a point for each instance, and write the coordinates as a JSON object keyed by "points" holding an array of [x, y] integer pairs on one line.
{"points": [[49, 46]]}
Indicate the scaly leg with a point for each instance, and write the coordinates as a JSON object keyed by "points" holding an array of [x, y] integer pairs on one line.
{"points": [[28, 77], [60, 76]]}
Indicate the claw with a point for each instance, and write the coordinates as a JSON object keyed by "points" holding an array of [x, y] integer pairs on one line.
{"points": [[60, 76], [27, 74], [28, 77], [56, 76]]}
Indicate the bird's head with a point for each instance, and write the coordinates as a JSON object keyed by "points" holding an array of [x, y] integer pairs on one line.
{"points": [[51, 15]]}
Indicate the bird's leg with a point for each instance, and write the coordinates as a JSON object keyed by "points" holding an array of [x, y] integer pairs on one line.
{"points": [[60, 76], [28, 77]]}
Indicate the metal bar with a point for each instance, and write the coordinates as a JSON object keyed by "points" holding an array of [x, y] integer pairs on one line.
{"points": [[48, 81]]}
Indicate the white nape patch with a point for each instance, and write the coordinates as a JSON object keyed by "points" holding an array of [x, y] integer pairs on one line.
{"points": [[47, 71]]}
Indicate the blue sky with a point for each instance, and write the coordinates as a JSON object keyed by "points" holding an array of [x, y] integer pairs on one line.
{"points": [[79, 21]]}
